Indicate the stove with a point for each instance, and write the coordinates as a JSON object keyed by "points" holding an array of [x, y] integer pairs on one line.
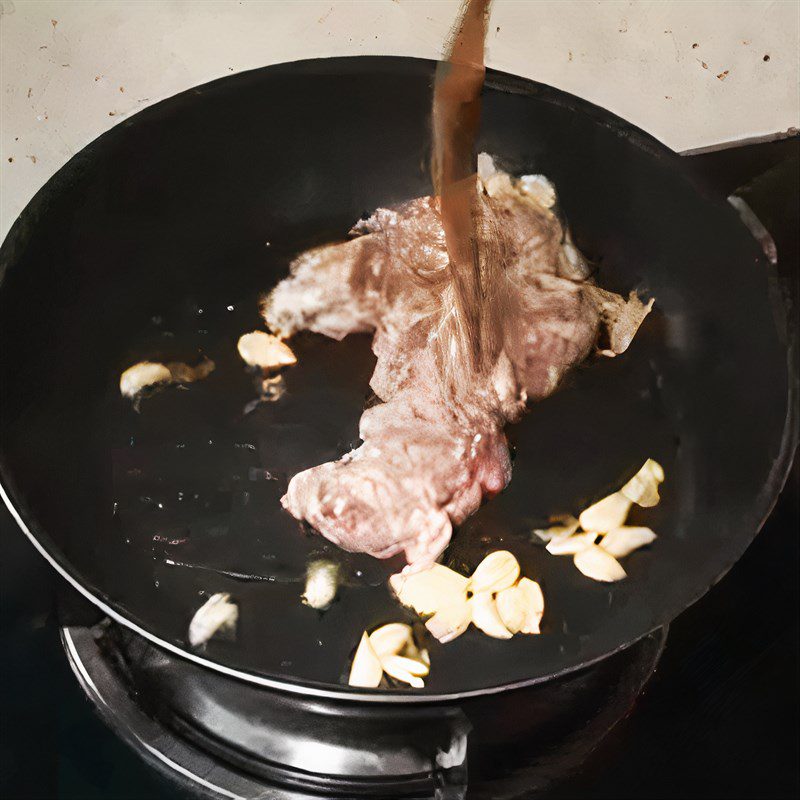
{"points": [[220, 736]]}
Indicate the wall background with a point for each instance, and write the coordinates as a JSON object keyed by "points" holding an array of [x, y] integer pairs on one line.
{"points": [[693, 74]]}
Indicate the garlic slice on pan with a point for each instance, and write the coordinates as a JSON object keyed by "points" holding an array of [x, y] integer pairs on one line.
{"points": [[261, 349], [430, 589], [146, 374], [599, 565], [322, 578], [411, 665], [138, 377], [605, 519], [216, 614], [511, 608], [606, 514], [366, 670], [572, 544], [395, 666], [496, 572], [642, 488], [623, 541], [485, 616], [534, 603], [521, 607], [450, 621], [391, 639], [390, 649], [567, 527]]}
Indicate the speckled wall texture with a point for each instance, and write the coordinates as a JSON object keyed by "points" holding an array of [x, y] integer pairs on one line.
{"points": [[693, 74]]}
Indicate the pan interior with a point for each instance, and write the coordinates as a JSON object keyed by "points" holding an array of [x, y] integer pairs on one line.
{"points": [[157, 240]]}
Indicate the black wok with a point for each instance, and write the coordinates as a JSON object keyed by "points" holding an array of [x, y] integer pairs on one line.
{"points": [[156, 241]]}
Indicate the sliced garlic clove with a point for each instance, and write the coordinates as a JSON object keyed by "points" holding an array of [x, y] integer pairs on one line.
{"points": [[656, 470], [425, 657], [533, 593], [412, 666], [572, 544], [623, 541], [642, 488], [260, 349], [392, 668], [366, 670], [568, 526], [597, 564], [485, 616], [511, 608], [429, 590], [391, 639], [496, 572], [322, 578], [533, 602], [450, 621], [148, 373], [142, 375], [606, 514], [216, 614], [521, 607]]}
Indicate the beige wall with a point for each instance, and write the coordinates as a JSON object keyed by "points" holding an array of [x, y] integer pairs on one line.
{"points": [[71, 70]]}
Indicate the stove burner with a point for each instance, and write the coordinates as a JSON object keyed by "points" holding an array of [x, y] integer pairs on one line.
{"points": [[222, 738]]}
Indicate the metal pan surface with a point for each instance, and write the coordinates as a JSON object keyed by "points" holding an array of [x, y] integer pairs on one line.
{"points": [[156, 241]]}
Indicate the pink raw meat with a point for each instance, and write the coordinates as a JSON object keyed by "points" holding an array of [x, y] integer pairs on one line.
{"points": [[429, 458]]}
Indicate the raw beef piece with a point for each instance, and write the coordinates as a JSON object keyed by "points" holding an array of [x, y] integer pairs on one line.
{"points": [[430, 456]]}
